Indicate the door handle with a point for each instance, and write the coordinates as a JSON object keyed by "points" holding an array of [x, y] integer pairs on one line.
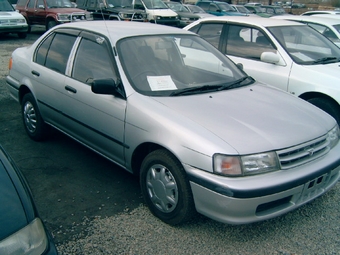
{"points": [[35, 73], [68, 88]]}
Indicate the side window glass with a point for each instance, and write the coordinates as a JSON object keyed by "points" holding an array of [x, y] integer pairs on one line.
{"points": [[31, 4], [41, 53], [247, 42], [59, 51], [211, 33], [40, 4], [92, 61]]}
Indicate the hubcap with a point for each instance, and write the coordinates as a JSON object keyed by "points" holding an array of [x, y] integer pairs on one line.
{"points": [[30, 117], [162, 188]]}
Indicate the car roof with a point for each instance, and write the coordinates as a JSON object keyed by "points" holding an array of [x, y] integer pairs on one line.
{"points": [[316, 19], [321, 11], [253, 20], [118, 30]]}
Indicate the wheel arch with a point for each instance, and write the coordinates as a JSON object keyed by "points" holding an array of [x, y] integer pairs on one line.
{"points": [[23, 90], [309, 95], [141, 152]]}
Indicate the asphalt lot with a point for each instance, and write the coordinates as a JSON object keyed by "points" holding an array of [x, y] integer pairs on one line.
{"points": [[73, 187]]}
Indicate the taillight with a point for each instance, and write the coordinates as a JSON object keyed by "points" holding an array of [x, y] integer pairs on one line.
{"points": [[10, 64]]}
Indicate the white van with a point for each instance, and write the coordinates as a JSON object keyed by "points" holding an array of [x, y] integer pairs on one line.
{"points": [[157, 12]]}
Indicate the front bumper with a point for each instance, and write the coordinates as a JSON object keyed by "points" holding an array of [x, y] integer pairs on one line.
{"points": [[261, 197], [14, 29]]}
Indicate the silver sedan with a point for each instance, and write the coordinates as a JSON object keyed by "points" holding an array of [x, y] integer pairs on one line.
{"points": [[166, 105]]}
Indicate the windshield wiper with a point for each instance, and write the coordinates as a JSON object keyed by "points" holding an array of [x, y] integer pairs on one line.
{"points": [[210, 88], [326, 60], [237, 83]]}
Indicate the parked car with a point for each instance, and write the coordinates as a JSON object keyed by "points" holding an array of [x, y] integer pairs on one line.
{"points": [[241, 9], [121, 10], [326, 26], [22, 230], [273, 10], [185, 17], [157, 12], [258, 11], [197, 10], [218, 8], [11, 22], [317, 12], [286, 54], [166, 105], [50, 13]]}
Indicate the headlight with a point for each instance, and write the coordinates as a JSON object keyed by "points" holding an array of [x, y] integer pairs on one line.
{"points": [[30, 240], [63, 17], [333, 136], [184, 19], [89, 16], [245, 165]]}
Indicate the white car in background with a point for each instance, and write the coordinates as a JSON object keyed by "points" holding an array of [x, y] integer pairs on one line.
{"points": [[327, 26], [286, 54], [12, 21]]}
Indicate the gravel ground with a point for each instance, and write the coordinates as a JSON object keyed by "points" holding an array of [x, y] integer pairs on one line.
{"points": [[312, 229]]}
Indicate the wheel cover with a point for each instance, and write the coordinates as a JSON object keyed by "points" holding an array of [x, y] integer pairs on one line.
{"points": [[162, 188], [30, 117]]}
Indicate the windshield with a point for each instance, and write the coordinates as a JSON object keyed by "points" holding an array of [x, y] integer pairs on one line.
{"points": [[177, 7], [59, 4], [5, 6], [195, 9], [119, 3], [155, 4], [225, 7], [173, 65], [305, 45]]}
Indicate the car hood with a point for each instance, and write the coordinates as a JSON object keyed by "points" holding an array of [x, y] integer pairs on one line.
{"points": [[10, 14], [326, 70], [67, 10], [254, 118], [128, 9]]}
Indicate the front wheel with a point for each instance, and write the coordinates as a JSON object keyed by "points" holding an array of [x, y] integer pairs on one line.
{"points": [[328, 106], [34, 124], [50, 24], [166, 189]]}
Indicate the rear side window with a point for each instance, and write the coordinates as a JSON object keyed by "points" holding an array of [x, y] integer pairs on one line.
{"points": [[21, 2], [54, 52]]}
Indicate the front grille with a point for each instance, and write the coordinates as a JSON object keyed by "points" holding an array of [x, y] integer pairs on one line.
{"points": [[303, 153]]}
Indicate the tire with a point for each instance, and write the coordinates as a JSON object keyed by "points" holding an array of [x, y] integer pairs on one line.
{"points": [[22, 35], [34, 124], [50, 24], [166, 189], [328, 106]]}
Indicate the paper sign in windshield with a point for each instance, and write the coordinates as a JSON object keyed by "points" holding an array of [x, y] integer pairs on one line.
{"points": [[158, 83]]}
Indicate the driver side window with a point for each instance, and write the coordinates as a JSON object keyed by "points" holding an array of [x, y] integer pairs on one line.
{"points": [[92, 61]]}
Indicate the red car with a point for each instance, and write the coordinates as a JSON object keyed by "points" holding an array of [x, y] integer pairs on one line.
{"points": [[50, 13]]}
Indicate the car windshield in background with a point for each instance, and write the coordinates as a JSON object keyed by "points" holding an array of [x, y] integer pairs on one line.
{"points": [[119, 3], [166, 65], [5, 6], [305, 45], [155, 4], [195, 9], [225, 7], [178, 7], [59, 4]]}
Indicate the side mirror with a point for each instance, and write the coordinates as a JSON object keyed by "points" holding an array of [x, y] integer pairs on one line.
{"points": [[270, 57], [107, 87]]}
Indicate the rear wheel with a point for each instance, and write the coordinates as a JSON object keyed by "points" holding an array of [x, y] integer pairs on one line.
{"points": [[166, 189], [34, 125], [328, 106]]}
